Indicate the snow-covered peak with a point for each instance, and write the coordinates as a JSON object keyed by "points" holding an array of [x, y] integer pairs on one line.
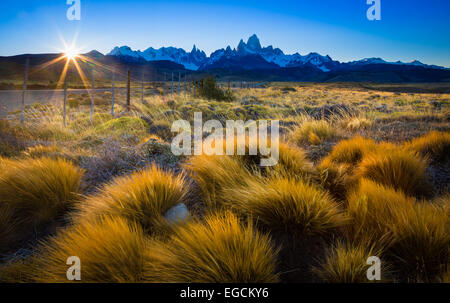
{"points": [[253, 43]]}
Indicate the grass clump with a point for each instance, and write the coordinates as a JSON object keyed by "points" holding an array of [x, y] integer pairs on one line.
{"points": [[351, 151], [222, 249], [34, 192], [214, 174], [143, 197], [346, 263], [435, 145], [373, 209], [398, 168], [39, 189], [287, 206], [124, 125], [421, 242], [314, 132], [111, 250]]}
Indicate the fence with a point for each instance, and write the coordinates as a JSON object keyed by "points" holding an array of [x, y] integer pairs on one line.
{"points": [[179, 84]]}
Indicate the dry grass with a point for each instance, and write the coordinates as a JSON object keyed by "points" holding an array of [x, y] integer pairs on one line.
{"points": [[110, 250], [346, 263], [289, 206], [374, 208], [39, 190], [313, 132], [143, 197], [214, 174], [222, 249], [397, 168], [435, 145], [421, 242], [351, 151]]}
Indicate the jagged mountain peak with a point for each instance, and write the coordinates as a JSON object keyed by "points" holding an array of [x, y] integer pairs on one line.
{"points": [[253, 43]]}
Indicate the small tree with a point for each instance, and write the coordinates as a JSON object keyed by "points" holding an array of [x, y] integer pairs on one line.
{"points": [[209, 90]]}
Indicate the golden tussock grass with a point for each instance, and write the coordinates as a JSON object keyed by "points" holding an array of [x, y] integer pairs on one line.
{"points": [[221, 249], [414, 234], [110, 250], [421, 241], [346, 263], [214, 174], [351, 151], [373, 209], [313, 131], [336, 179], [292, 163], [143, 197], [38, 190], [286, 205], [435, 145], [397, 168]]}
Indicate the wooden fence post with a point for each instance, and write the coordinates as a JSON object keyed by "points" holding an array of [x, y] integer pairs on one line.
{"points": [[128, 91], [113, 90], [65, 99], [92, 96], [172, 86], [24, 90]]}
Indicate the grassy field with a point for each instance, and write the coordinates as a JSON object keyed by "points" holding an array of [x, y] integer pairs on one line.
{"points": [[363, 171]]}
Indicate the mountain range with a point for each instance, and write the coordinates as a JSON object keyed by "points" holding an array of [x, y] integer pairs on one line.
{"points": [[249, 56], [248, 61]]}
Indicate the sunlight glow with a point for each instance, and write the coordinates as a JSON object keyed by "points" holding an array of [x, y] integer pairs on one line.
{"points": [[70, 53]]}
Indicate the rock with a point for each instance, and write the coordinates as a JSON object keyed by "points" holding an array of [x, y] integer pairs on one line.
{"points": [[176, 214]]}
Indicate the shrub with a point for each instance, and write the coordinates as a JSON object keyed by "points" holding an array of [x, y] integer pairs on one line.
{"points": [[316, 131], [435, 145], [346, 263], [209, 90], [357, 123], [288, 206], [144, 197], [39, 190], [219, 250], [398, 168], [110, 250], [351, 151]]}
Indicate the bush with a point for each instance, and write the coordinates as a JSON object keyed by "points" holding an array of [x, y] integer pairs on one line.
{"points": [[111, 250], [219, 250], [397, 168], [38, 151], [208, 89], [435, 145], [313, 132], [143, 197], [288, 206], [346, 263], [162, 129]]}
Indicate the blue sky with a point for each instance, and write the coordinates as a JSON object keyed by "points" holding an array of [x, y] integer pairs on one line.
{"points": [[408, 29]]}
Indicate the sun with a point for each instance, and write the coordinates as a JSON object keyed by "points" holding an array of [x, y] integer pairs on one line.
{"points": [[70, 53]]}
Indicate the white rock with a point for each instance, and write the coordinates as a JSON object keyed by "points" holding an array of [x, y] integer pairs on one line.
{"points": [[177, 213]]}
